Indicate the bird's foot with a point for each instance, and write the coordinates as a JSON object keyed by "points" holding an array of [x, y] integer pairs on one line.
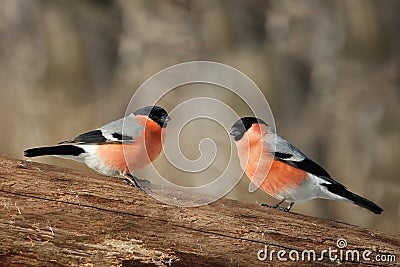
{"points": [[266, 205], [275, 207], [131, 181], [142, 181], [284, 209], [137, 182]]}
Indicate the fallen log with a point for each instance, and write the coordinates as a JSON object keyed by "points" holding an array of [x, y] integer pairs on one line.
{"points": [[53, 216]]}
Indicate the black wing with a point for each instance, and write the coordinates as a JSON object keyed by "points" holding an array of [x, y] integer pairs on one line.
{"points": [[306, 164], [121, 137], [98, 137], [291, 155], [95, 136]]}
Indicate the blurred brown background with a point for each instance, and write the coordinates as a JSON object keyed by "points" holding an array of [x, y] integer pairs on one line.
{"points": [[329, 69]]}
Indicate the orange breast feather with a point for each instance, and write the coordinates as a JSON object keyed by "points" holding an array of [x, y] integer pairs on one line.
{"points": [[270, 175], [144, 149]]}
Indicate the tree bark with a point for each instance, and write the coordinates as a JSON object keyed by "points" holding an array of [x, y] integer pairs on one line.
{"points": [[52, 216]]}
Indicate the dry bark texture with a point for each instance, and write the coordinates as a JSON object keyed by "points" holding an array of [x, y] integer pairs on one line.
{"points": [[52, 216]]}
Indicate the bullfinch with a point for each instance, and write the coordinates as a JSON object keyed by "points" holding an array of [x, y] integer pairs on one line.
{"points": [[110, 150], [283, 171]]}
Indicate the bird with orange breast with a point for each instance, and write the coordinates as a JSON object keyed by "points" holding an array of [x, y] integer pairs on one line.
{"points": [[118, 147], [283, 171]]}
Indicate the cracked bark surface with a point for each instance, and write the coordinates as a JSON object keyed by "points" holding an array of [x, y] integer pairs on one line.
{"points": [[52, 216]]}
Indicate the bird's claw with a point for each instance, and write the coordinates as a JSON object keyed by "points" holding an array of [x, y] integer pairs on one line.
{"points": [[131, 182], [266, 205], [274, 207], [134, 181]]}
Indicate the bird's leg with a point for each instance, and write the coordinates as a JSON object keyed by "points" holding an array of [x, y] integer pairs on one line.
{"points": [[134, 181], [289, 207], [131, 180]]}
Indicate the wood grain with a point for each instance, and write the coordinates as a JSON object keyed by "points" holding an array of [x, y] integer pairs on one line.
{"points": [[52, 216]]}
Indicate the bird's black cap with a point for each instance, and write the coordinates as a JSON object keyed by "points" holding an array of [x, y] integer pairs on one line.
{"points": [[156, 113], [241, 126]]}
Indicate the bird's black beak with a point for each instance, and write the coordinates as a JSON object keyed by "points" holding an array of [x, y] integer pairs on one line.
{"points": [[164, 121], [237, 131], [234, 131]]}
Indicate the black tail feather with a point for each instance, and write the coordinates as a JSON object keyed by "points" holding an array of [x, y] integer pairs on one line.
{"points": [[54, 150], [340, 190]]}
